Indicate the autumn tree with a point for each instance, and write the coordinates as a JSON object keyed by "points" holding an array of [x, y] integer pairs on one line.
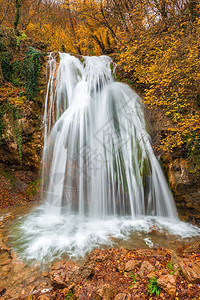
{"points": [[155, 43]]}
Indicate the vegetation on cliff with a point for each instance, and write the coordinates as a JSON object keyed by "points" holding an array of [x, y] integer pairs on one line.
{"points": [[20, 96]]}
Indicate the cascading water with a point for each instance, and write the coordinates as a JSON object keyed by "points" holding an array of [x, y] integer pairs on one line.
{"points": [[100, 178], [98, 160]]}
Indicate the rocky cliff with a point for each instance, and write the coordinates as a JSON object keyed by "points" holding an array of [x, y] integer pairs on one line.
{"points": [[182, 174]]}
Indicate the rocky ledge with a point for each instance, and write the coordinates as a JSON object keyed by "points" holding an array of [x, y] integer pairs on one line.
{"points": [[107, 274]]}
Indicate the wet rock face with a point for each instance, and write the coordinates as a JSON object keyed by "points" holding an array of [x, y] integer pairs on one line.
{"points": [[27, 142], [184, 177], [184, 180]]}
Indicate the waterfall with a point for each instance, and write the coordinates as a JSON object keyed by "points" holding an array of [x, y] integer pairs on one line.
{"points": [[98, 160], [101, 182]]}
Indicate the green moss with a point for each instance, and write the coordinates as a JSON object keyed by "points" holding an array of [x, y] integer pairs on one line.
{"points": [[69, 296], [8, 175], [31, 71], [14, 115], [33, 188], [20, 38], [6, 66], [23, 72]]}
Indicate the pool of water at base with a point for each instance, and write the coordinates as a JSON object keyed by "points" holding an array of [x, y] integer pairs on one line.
{"points": [[40, 237]]}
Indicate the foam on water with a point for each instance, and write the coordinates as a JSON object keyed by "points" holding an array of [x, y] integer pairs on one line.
{"points": [[45, 237]]}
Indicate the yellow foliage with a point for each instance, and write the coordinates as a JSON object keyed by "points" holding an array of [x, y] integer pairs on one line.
{"points": [[167, 68]]}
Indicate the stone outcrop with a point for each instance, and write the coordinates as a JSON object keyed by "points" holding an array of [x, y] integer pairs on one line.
{"points": [[189, 268], [145, 269], [183, 175], [62, 273], [167, 283], [105, 292], [67, 273], [132, 264], [183, 179]]}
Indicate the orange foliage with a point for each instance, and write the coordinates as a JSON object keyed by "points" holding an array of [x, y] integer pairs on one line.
{"points": [[156, 44]]}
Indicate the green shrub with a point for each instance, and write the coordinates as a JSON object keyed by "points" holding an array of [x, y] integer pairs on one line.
{"points": [[31, 71], [69, 296], [23, 72], [153, 288], [6, 66], [170, 267]]}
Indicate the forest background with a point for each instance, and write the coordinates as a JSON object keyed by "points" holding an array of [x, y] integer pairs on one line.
{"points": [[155, 44]]}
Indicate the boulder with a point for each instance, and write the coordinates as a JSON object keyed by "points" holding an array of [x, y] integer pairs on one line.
{"points": [[152, 275], [132, 264], [167, 283], [123, 250], [157, 273], [121, 296], [175, 260], [98, 256], [105, 292], [189, 268], [61, 273], [67, 274], [146, 268]]}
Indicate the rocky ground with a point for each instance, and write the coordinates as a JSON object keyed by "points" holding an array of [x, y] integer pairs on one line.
{"points": [[119, 274], [105, 274]]}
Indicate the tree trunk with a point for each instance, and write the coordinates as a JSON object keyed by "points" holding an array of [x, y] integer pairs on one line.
{"points": [[78, 52], [192, 5], [18, 4], [1, 74]]}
